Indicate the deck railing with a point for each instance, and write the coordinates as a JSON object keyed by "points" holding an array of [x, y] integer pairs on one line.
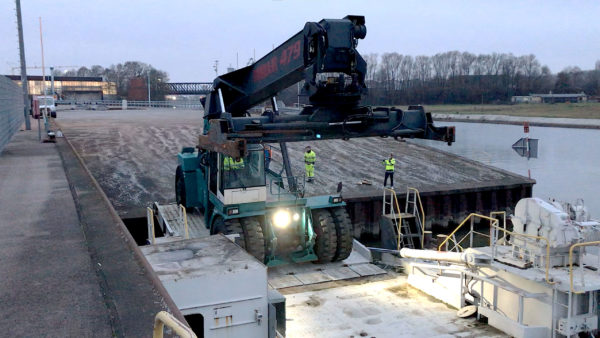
{"points": [[495, 229], [163, 319]]}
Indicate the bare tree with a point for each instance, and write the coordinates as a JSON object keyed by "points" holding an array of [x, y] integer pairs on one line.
{"points": [[466, 62], [84, 71], [372, 64], [406, 71], [96, 70]]}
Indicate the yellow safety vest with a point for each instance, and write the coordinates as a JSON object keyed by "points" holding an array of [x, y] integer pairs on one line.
{"points": [[309, 158], [389, 164], [230, 164]]}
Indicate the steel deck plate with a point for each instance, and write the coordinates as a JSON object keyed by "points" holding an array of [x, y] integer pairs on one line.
{"points": [[343, 272], [285, 281], [313, 277], [367, 269]]}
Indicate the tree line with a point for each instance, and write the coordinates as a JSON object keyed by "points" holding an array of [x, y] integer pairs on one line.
{"points": [[122, 73], [395, 79], [462, 77]]}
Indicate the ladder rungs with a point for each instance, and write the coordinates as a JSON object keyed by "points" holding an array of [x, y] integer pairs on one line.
{"points": [[402, 215]]}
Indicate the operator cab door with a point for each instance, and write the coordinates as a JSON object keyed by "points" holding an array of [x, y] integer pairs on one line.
{"points": [[242, 181]]}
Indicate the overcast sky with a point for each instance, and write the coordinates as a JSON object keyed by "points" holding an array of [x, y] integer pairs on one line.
{"points": [[185, 37]]}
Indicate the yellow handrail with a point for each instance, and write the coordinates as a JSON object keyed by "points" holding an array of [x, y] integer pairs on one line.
{"points": [[571, 261], [493, 220], [456, 244], [422, 214], [399, 223], [150, 213], [164, 318], [494, 224], [185, 222]]}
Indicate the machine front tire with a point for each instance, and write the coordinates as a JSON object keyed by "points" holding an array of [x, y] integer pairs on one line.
{"points": [[251, 235], [180, 187], [254, 237], [343, 230], [326, 241]]}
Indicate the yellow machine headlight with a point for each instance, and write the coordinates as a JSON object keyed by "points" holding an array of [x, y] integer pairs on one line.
{"points": [[282, 218], [296, 216]]}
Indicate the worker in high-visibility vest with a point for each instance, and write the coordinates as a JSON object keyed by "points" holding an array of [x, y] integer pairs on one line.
{"points": [[309, 164], [230, 164], [389, 170]]}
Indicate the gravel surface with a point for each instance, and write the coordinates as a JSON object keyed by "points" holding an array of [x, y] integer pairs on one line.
{"points": [[132, 154]]}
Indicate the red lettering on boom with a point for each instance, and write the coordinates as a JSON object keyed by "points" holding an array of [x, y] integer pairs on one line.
{"points": [[269, 67]]}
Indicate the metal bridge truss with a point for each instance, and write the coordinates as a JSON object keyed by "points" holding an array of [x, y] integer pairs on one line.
{"points": [[189, 88]]}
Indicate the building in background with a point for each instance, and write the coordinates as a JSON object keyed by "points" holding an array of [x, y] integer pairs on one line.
{"points": [[550, 98], [76, 88], [137, 90]]}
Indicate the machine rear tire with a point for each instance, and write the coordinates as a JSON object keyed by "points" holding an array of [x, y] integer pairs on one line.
{"points": [[254, 237], [343, 230], [180, 187], [326, 241]]}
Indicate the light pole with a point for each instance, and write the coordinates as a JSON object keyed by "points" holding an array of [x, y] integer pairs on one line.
{"points": [[148, 87], [24, 83], [52, 81]]}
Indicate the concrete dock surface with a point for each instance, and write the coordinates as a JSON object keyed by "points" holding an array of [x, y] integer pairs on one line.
{"points": [[59, 277], [48, 286]]}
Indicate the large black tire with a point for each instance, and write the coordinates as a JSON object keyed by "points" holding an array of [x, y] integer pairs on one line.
{"points": [[180, 187], [228, 227], [343, 231], [251, 235], [326, 241], [254, 237]]}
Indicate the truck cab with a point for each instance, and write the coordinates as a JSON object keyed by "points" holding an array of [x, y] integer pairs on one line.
{"points": [[46, 105], [242, 180]]}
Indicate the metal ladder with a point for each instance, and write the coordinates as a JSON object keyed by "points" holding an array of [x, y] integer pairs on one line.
{"points": [[403, 221], [414, 207], [407, 237]]}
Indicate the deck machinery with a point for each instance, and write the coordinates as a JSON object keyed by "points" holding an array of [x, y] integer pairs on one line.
{"points": [[538, 280], [225, 177]]}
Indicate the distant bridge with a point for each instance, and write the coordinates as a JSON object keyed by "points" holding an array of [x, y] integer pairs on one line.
{"points": [[189, 88]]}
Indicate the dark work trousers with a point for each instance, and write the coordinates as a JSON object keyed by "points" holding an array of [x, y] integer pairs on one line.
{"points": [[389, 174]]}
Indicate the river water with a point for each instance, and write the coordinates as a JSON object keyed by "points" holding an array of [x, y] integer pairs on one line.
{"points": [[567, 167]]}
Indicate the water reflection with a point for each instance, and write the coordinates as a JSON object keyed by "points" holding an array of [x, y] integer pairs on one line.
{"points": [[568, 163]]}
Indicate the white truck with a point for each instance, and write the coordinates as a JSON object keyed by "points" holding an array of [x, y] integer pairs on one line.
{"points": [[46, 104]]}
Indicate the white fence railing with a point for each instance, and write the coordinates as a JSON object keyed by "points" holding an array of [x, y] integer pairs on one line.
{"points": [[126, 104]]}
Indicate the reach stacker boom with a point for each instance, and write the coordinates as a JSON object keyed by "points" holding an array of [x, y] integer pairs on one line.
{"points": [[224, 176]]}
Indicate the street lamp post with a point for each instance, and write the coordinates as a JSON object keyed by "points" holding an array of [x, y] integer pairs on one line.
{"points": [[52, 81], [24, 83], [148, 87]]}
